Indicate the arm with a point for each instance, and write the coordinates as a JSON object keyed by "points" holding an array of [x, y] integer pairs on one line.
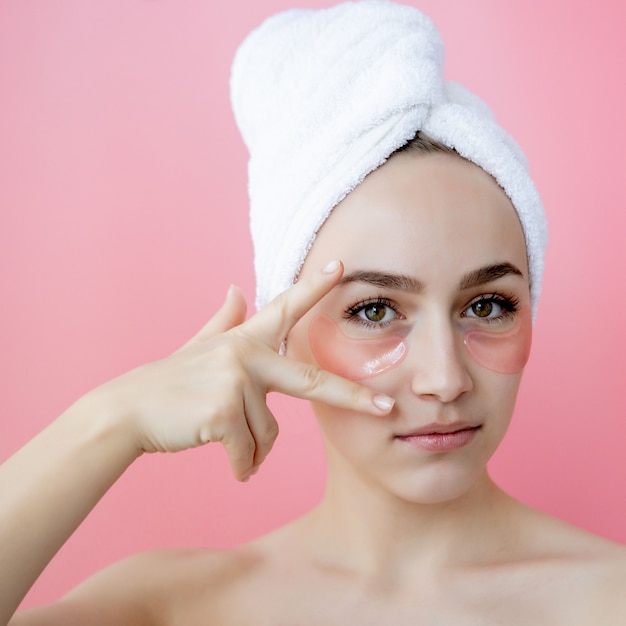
{"points": [[211, 390], [49, 487], [131, 592]]}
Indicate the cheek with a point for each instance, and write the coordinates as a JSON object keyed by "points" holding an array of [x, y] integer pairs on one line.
{"points": [[355, 359], [500, 401]]}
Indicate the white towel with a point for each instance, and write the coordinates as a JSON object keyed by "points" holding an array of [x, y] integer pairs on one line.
{"points": [[323, 97]]}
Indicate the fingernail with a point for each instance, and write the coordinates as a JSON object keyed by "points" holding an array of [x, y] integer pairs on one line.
{"points": [[331, 267], [384, 403]]}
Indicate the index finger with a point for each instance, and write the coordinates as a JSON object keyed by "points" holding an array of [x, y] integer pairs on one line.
{"points": [[274, 321]]}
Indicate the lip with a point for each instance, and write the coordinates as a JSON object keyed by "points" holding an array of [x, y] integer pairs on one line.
{"points": [[439, 437]]}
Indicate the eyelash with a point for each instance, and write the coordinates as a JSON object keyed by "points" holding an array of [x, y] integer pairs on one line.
{"points": [[352, 313], [508, 303]]}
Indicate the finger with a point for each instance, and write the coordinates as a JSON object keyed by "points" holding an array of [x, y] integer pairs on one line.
{"points": [[240, 447], [230, 314], [308, 381], [262, 424], [272, 323]]}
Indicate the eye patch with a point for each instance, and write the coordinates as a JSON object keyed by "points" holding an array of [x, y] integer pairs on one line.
{"points": [[353, 358], [505, 352]]}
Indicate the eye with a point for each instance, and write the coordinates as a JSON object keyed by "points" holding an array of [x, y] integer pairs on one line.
{"points": [[484, 308], [378, 312], [493, 307]]}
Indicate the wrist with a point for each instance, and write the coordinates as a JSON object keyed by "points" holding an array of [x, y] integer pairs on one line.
{"points": [[102, 418]]}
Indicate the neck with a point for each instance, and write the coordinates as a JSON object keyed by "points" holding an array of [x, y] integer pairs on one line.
{"points": [[365, 528]]}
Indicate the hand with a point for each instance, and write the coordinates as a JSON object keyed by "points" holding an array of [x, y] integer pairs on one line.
{"points": [[214, 388]]}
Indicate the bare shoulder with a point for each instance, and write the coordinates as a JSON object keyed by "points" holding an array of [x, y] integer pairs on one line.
{"points": [[174, 584], [606, 561], [575, 544], [147, 589], [587, 572], [601, 571]]}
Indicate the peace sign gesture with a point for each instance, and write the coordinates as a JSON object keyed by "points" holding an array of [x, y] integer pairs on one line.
{"points": [[213, 389]]}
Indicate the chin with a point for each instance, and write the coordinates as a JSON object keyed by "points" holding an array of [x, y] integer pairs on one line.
{"points": [[440, 484]]}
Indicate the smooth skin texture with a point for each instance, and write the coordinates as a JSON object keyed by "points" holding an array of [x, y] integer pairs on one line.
{"points": [[213, 389], [402, 535]]}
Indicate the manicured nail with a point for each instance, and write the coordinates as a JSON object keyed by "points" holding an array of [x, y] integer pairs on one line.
{"points": [[331, 267], [384, 403]]}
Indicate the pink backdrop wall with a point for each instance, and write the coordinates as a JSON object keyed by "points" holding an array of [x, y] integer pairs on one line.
{"points": [[123, 220]]}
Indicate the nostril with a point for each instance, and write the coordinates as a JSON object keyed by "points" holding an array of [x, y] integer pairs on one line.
{"points": [[443, 376]]}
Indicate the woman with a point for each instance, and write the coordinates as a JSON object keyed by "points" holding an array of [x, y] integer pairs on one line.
{"points": [[416, 296]]}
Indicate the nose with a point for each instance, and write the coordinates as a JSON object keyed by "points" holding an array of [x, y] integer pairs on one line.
{"points": [[435, 356]]}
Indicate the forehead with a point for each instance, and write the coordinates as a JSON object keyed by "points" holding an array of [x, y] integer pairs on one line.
{"points": [[427, 214]]}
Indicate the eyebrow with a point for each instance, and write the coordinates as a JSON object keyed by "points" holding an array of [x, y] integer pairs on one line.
{"points": [[402, 282], [383, 280], [488, 273]]}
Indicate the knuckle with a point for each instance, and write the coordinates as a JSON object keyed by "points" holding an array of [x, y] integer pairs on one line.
{"points": [[233, 350], [357, 395], [205, 435], [232, 363], [269, 435], [313, 377]]}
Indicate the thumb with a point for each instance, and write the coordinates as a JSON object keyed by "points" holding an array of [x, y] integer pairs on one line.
{"points": [[230, 314]]}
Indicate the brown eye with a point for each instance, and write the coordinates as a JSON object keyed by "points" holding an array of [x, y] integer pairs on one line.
{"points": [[482, 308], [372, 313], [375, 312]]}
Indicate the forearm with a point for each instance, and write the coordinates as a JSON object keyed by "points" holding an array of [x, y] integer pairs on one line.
{"points": [[213, 389], [49, 486]]}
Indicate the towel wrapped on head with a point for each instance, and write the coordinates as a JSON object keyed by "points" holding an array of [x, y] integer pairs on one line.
{"points": [[323, 97]]}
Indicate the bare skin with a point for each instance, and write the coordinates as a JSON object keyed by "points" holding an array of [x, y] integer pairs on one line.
{"points": [[402, 535], [211, 390]]}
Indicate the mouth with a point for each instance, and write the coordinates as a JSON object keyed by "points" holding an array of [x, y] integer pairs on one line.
{"points": [[437, 437]]}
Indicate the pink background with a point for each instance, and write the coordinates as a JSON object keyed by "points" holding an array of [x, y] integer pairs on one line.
{"points": [[123, 219]]}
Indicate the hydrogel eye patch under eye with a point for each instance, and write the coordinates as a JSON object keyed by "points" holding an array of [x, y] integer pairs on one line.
{"points": [[355, 359], [505, 352]]}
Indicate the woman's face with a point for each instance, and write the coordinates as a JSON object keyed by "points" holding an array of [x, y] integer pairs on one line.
{"points": [[435, 264]]}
